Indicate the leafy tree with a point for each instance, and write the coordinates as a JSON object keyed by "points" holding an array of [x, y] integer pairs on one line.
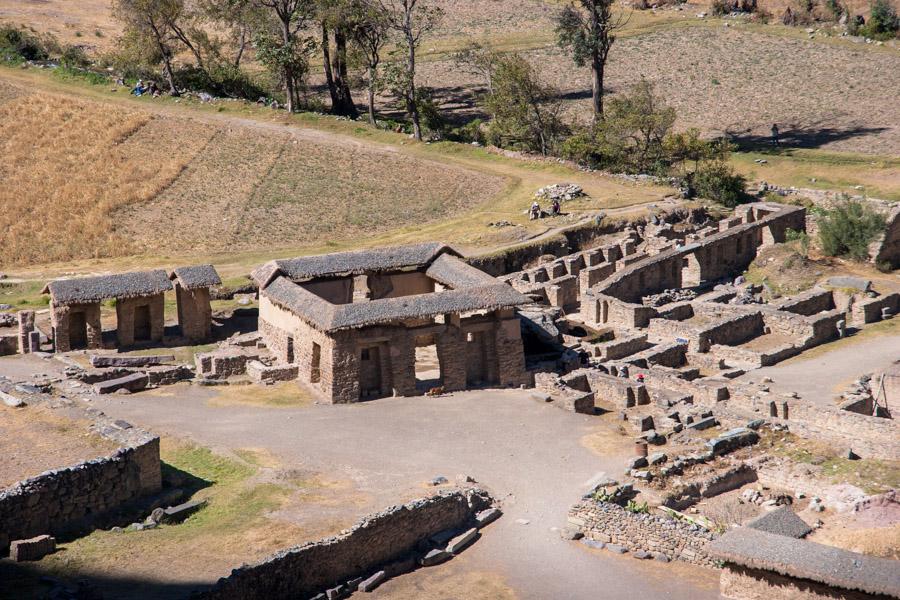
{"points": [[478, 60], [587, 29], [525, 113], [240, 18], [337, 19], [411, 19], [717, 181], [883, 21], [370, 33], [149, 32], [849, 229], [282, 48]]}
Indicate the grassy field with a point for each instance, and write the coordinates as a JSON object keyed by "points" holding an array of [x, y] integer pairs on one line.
{"points": [[246, 183]]}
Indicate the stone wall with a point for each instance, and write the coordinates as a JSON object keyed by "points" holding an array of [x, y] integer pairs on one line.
{"points": [[370, 545], [611, 524], [125, 319], [809, 303], [61, 318], [60, 500], [194, 313]]}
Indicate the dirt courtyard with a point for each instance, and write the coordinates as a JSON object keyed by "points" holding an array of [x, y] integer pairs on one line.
{"points": [[535, 459]]}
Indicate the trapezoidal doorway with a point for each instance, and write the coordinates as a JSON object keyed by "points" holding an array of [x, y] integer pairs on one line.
{"points": [[142, 323], [428, 366], [77, 330]]}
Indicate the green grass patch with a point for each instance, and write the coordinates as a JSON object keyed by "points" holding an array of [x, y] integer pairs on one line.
{"points": [[24, 295]]}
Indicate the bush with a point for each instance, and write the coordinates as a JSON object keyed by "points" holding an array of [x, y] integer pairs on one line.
{"points": [[801, 238], [849, 229], [74, 57], [883, 21], [716, 181], [220, 79], [22, 45]]}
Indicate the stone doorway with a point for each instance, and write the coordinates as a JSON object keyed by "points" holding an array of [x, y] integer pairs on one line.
{"points": [[77, 330], [370, 382], [142, 323], [476, 359], [428, 365]]}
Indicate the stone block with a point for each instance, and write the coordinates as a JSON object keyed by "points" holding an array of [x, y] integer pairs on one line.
{"points": [[372, 582], [32, 549], [704, 423], [133, 383], [101, 361], [457, 544], [487, 516], [732, 440], [616, 549], [435, 557], [11, 401], [176, 514]]}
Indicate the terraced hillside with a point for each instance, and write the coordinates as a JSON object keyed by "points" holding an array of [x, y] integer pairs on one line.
{"points": [[90, 179]]}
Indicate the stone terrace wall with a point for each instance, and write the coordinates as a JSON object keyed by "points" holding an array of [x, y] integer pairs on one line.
{"points": [[867, 436], [610, 523], [58, 501], [378, 539]]}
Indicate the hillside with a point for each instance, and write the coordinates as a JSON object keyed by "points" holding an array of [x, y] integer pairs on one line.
{"points": [[90, 174]]}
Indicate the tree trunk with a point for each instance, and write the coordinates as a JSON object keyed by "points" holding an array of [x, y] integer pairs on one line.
{"points": [[372, 96], [167, 58], [597, 66], [345, 106], [242, 44], [329, 75], [288, 72], [411, 106]]}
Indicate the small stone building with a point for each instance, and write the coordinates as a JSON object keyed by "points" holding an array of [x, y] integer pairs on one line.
{"points": [[75, 308], [353, 321], [192, 297]]}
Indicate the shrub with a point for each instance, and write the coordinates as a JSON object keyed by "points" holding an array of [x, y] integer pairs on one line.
{"points": [[74, 57], [716, 181], [849, 229], [634, 507], [883, 21], [22, 44], [801, 238]]}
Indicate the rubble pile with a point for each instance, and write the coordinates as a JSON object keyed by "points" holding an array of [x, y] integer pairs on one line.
{"points": [[560, 191]]}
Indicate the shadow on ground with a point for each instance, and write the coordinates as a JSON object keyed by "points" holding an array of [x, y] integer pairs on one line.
{"points": [[800, 137]]}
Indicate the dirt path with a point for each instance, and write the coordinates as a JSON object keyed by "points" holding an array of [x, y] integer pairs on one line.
{"points": [[821, 377]]}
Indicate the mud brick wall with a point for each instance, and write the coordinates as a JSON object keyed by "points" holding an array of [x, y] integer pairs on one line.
{"points": [[60, 320], [612, 524], [729, 332], [59, 500], [125, 310], [303, 571], [593, 275], [194, 313]]}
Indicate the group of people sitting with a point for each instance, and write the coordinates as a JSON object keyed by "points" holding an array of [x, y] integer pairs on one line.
{"points": [[149, 88], [537, 213]]}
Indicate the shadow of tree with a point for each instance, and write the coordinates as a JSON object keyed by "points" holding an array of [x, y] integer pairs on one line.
{"points": [[795, 136]]}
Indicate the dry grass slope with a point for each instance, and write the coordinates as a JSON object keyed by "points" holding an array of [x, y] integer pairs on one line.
{"points": [[68, 164]]}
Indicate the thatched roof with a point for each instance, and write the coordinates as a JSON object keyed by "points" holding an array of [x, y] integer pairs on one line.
{"points": [[87, 290], [328, 317], [783, 521], [196, 276], [791, 557], [343, 264], [455, 273]]}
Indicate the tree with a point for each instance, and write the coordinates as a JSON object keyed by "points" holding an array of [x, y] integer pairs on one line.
{"points": [[337, 19], [525, 113], [412, 19], [149, 32], [240, 17], [282, 48], [883, 20], [849, 229], [478, 60], [370, 33], [588, 33]]}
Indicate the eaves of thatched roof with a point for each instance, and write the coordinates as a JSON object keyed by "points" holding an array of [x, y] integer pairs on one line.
{"points": [[454, 273], [801, 559], [87, 290], [328, 317], [196, 276], [345, 264]]}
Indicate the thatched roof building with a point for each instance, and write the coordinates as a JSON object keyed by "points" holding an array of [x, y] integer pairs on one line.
{"points": [[88, 290], [787, 561], [195, 277]]}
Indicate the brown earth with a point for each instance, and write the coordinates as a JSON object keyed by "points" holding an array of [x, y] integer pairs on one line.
{"points": [[34, 440]]}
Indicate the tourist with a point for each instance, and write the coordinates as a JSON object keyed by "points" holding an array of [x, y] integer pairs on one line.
{"points": [[535, 212], [554, 208], [775, 134], [138, 88]]}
